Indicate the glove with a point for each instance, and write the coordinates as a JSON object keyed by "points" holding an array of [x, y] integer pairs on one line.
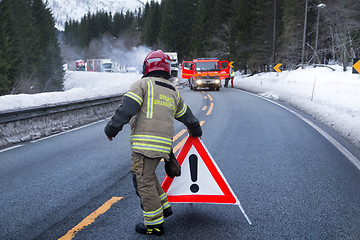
{"points": [[194, 129], [172, 167], [111, 131]]}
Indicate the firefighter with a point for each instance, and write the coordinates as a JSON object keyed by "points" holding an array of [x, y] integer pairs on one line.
{"points": [[227, 82], [232, 77], [150, 106]]}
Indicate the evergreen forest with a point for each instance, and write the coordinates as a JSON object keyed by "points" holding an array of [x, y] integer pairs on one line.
{"points": [[256, 34], [30, 60]]}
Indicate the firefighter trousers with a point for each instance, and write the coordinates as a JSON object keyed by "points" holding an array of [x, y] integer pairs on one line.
{"points": [[153, 198]]}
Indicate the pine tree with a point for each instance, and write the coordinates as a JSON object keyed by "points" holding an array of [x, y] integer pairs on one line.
{"points": [[221, 29], [241, 33], [262, 34], [29, 52], [152, 24], [293, 31], [168, 24], [50, 65], [201, 30], [117, 25], [5, 48], [24, 48]]}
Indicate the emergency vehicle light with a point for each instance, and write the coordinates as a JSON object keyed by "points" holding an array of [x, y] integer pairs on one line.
{"points": [[206, 59]]}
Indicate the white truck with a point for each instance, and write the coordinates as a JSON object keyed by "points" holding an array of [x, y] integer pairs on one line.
{"points": [[99, 65], [174, 63]]}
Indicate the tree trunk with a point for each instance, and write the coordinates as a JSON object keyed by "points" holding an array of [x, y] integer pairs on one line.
{"points": [[304, 34], [274, 36]]}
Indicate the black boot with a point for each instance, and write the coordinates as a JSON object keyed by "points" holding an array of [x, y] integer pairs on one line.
{"points": [[167, 212], [157, 230]]}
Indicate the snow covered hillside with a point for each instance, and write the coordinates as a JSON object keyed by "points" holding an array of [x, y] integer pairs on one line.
{"points": [[64, 10]]}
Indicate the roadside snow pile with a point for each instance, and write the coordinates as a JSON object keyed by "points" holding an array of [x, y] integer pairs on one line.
{"points": [[333, 97], [78, 86]]}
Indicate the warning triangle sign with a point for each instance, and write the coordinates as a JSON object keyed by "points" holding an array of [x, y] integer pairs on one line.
{"points": [[201, 180]]}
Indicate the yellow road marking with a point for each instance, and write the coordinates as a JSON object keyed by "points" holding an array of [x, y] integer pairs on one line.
{"points": [[179, 145], [210, 109], [210, 97], [90, 219], [204, 108], [177, 136], [106, 206]]}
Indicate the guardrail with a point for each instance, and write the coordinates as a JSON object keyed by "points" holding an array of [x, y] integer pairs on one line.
{"points": [[36, 122], [26, 113]]}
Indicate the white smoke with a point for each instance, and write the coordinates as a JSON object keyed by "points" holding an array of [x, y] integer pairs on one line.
{"points": [[115, 49]]}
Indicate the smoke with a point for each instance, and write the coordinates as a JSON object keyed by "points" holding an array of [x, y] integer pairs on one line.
{"points": [[119, 52], [122, 51]]}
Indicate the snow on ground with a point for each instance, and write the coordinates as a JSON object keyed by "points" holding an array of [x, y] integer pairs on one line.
{"points": [[78, 86], [333, 97]]}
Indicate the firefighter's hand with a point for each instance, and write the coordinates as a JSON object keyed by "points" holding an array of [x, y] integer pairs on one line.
{"points": [[111, 131], [195, 129]]}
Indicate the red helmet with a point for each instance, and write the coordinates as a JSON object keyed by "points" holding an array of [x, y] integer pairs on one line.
{"points": [[156, 60]]}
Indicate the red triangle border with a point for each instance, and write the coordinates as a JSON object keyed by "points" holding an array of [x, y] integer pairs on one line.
{"points": [[228, 197]]}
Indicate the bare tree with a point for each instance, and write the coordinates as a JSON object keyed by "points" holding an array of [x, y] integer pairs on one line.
{"points": [[344, 24], [221, 40], [304, 34]]}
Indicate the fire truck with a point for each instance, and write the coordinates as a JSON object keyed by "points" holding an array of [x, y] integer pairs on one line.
{"points": [[80, 65], [205, 72]]}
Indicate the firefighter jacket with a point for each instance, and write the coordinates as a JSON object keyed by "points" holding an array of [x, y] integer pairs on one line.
{"points": [[151, 104]]}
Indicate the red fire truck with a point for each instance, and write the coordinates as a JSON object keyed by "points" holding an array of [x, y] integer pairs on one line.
{"points": [[80, 65], [205, 72]]}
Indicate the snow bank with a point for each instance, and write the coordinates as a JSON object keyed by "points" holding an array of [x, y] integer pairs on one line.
{"points": [[78, 86], [332, 97]]}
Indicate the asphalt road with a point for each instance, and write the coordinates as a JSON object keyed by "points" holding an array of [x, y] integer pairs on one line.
{"points": [[290, 180]]}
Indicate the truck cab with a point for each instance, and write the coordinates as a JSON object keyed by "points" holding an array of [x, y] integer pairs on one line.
{"points": [[205, 73], [174, 63], [106, 65]]}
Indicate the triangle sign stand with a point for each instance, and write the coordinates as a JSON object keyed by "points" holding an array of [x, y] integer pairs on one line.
{"points": [[201, 180]]}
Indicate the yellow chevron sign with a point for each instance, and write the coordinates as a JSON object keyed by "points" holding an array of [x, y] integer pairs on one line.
{"points": [[231, 64], [277, 67], [356, 66]]}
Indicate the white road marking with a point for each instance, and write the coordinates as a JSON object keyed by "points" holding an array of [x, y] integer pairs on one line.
{"points": [[340, 147], [7, 149]]}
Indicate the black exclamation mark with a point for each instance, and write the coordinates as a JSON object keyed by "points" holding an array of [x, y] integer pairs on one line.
{"points": [[193, 161]]}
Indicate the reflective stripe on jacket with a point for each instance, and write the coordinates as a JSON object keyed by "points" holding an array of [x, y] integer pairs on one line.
{"points": [[152, 128], [150, 105]]}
